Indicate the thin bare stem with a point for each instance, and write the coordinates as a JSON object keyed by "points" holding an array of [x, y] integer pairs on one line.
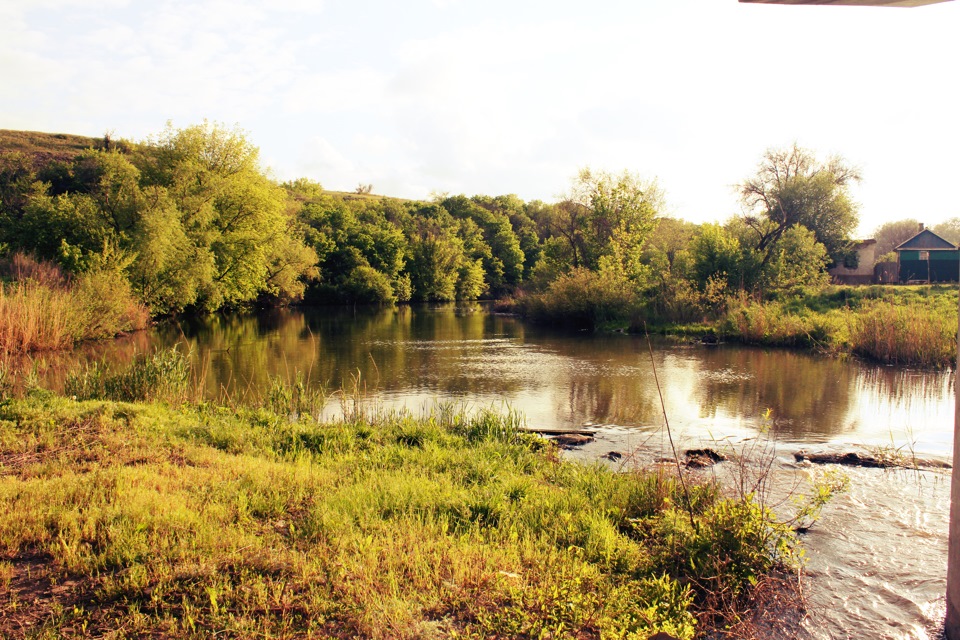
{"points": [[666, 421]]}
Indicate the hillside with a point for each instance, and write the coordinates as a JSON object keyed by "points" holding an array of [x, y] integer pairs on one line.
{"points": [[45, 147]]}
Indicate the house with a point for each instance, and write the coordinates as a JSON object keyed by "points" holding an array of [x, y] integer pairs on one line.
{"points": [[926, 257], [858, 270]]}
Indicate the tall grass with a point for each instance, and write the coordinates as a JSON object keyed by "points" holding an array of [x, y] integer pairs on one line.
{"points": [[34, 317], [41, 310], [914, 335], [906, 326], [162, 376]]}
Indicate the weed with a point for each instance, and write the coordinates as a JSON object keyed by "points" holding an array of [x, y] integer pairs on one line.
{"points": [[162, 376]]}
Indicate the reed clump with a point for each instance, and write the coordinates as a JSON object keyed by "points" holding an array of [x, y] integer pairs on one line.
{"points": [[160, 377], [41, 309], [914, 335], [913, 326], [193, 519]]}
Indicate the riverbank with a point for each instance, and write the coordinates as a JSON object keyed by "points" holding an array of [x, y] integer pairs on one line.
{"points": [[150, 519], [41, 309], [905, 325]]}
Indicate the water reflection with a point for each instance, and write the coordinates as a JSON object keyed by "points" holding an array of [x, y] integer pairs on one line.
{"points": [[414, 356]]}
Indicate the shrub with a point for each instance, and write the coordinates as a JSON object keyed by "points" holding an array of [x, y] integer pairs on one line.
{"points": [[42, 310], [582, 298]]}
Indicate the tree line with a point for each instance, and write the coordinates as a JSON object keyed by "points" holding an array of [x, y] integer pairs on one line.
{"points": [[193, 222]]}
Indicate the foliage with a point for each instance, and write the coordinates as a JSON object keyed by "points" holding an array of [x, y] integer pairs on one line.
{"points": [[798, 261], [40, 309], [582, 299], [949, 230], [889, 235], [609, 215], [233, 216], [361, 254], [716, 254], [200, 222], [791, 187], [498, 248]]}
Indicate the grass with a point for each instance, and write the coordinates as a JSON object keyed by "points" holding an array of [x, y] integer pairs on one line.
{"points": [[914, 326], [904, 325], [42, 310], [44, 147], [187, 520]]}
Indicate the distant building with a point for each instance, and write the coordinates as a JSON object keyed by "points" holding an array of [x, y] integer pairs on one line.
{"points": [[926, 257], [859, 271]]}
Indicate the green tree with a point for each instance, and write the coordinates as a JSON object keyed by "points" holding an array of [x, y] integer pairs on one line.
{"points": [[234, 216], [353, 238], [17, 179], [949, 230], [791, 187], [617, 216], [798, 261], [716, 257], [891, 234], [502, 259]]}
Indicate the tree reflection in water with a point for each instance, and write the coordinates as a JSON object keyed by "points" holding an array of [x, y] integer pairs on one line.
{"points": [[416, 355]]}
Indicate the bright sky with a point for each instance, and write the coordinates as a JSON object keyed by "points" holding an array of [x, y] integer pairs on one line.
{"points": [[511, 96]]}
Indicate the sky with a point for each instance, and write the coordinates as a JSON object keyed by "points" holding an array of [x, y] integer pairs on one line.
{"points": [[421, 97]]}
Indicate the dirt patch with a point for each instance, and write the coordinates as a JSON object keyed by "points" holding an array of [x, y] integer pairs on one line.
{"points": [[36, 593]]}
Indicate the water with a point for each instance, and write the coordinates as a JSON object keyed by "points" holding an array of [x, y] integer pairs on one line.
{"points": [[877, 559]]}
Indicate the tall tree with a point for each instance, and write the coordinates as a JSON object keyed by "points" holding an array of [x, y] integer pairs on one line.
{"points": [[949, 230], [891, 234], [234, 217], [792, 187]]}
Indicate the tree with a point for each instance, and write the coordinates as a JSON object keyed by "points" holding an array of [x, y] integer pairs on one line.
{"points": [[949, 230], [361, 254], [16, 184], [716, 256], [891, 234], [498, 247], [799, 261], [604, 216], [234, 217], [791, 187]]}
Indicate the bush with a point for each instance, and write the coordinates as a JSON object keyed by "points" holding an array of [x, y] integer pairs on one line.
{"points": [[42, 310], [366, 285], [582, 298]]}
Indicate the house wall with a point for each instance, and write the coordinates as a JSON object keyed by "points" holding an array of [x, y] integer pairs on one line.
{"points": [[863, 274], [944, 266]]}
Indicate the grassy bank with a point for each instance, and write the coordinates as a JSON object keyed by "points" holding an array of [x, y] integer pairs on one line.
{"points": [[914, 326], [906, 325], [41, 309], [136, 519]]}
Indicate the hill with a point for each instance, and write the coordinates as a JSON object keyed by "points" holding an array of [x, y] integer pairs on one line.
{"points": [[46, 147]]}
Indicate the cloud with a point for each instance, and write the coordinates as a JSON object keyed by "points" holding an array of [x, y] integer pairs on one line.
{"points": [[497, 97], [345, 90]]}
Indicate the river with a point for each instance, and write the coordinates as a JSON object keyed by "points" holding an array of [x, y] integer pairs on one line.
{"points": [[877, 557]]}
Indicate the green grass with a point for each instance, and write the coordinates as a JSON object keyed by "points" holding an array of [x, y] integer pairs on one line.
{"points": [[914, 326], [134, 520]]}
